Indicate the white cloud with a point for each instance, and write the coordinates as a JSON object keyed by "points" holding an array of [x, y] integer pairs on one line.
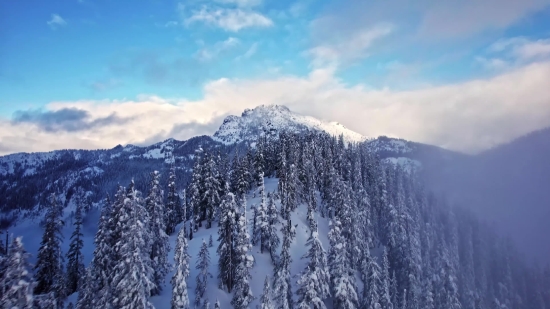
{"points": [[514, 52], [206, 54], [469, 116], [232, 20], [348, 48], [56, 21], [241, 3], [249, 53]]}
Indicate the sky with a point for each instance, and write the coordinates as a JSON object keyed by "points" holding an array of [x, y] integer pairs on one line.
{"points": [[465, 75]]}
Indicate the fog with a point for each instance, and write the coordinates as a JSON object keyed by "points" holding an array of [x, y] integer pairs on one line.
{"points": [[507, 186]]}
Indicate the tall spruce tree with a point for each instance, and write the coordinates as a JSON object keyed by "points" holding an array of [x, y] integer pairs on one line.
{"points": [[227, 226], [202, 265], [75, 259], [242, 296], [314, 283], [180, 297], [343, 286], [273, 239], [266, 301], [16, 283], [133, 276], [159, 240], [174, 213], [49, 274], [281, 278]]}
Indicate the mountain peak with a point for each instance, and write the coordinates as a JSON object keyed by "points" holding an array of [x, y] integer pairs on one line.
{"points": [[271, 119]]}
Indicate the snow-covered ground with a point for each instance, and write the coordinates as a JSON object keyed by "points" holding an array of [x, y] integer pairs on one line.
{"points": [[32, 234]]}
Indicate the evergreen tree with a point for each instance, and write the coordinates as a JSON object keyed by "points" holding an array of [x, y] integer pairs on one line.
{"points": [[385, 293], [266, 301], [373, 284], [281, 278], [344, 292], [180, 298], [203, 262], [159, 240], [206, 304], [133, 275], [263, 228], [85, 298], [75, 259], [217, 305], [98, 289], [16, 283], [174, 214], [226, 234], [243, 294], [210, 241], [273, 239], [212, 188], [314, 283], [49, 264]]}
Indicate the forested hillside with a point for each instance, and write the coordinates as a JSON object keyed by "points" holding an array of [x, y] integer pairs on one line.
{"points": [[315, 222]]}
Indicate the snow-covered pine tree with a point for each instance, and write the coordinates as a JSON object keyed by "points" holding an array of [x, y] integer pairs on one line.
{"points": [[49, 264], [173, 213], [281, 277], [217, 305], [273, 239], [262, 217], [75, 259], [212, 188], [157, 230], [242, 296], [373, 283], [99, 288], [133, 276], [344, 292], [203, 262], [85, 299], [180, 297], [16, 283], [385, 291], [227, 226], [314, 283], [265, 301], [196, 191]]}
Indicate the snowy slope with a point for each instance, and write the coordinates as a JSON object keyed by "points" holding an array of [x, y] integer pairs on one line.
{"points": [[31, 232], [275, 118]]}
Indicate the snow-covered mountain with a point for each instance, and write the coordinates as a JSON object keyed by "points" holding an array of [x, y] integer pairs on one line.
{"points": [[272, 119]]}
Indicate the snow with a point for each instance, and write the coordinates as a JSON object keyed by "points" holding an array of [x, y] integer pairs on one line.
{"points": [[31, 232], [275, 118], [154, 154]]}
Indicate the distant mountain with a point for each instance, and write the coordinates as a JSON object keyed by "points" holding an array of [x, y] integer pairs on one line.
{"points": [[273, 119]]}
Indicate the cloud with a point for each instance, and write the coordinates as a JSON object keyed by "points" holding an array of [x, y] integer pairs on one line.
{"points": [[56, 21], [469, 116], [515, 52], [241, 3], [64, 119], [458, 18], [160, 70], [430, 20], [232, 20], [207, 54], [249, 53], [104, 85], [347, 49]]}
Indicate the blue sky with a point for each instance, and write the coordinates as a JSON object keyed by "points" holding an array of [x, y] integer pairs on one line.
{"points": [[207, 58]]}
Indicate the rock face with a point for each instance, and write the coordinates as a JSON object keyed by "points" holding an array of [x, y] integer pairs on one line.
{"points": [[273, 119]]}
